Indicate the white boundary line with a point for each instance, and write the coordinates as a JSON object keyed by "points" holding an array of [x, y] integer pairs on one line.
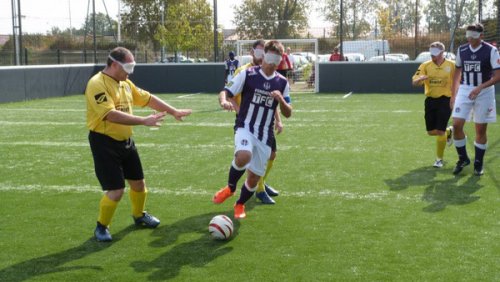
{"points": [[190, 191]]}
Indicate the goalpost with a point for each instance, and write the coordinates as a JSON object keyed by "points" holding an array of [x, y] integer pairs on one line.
{"points": [[305, 74]]}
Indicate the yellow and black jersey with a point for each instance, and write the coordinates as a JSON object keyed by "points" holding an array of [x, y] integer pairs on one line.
{"points": [[104, 94], [440, 78], [237, 98]]}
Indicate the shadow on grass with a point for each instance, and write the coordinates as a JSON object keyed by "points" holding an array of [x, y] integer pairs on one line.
{"points": [[439, 193], [195, 253], [53, 263]]}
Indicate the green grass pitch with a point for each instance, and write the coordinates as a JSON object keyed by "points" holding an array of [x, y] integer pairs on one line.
{"points": [[360, 200]]}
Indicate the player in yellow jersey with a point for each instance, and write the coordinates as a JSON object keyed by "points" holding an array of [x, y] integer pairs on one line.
{"points": [[437, 77], [110, 97], [264, 192]]}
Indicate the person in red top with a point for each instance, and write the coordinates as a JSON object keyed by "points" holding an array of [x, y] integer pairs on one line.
{"points": [[335, 57], [285, 65]]}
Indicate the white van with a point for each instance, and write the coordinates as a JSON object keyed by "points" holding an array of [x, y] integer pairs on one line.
{"points": [[369, 48]]}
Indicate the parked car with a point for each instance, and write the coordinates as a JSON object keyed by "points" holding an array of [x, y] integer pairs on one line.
{"points": [[426, 56], [385, 58], [308, 55], [355, 57], [404, 57], [324, 58], [300, 64]]}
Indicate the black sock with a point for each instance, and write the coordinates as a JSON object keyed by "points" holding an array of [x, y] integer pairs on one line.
{"points": [[478, 162], [462, 153], [245, 194], [234, 176]]}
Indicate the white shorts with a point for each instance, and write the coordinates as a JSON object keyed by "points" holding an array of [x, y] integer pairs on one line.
{"points": [[246, 141], [483, 108]]}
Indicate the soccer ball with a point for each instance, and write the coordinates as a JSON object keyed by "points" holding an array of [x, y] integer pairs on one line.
{"points": [[221, 227]]}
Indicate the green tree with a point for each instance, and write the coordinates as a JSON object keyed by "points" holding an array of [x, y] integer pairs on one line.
{"points": [[356, 13], [279, 19], [442, 15], [103, 25], [187, 23]]}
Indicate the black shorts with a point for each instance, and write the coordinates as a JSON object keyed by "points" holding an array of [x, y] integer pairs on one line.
{"points": [[437, 113], [114, 161], [282, 72]]}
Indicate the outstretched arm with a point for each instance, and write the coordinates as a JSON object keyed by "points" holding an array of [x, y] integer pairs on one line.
{"points": [[161, 106]]}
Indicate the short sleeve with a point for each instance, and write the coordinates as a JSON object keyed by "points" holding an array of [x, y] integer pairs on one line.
{"points": [[235, 86]]}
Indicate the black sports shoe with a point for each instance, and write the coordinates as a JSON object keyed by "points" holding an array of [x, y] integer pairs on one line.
{"points": [[146, 220], [460, 166], [101, 233], [264, 198], [270, 191], [478, 169]]}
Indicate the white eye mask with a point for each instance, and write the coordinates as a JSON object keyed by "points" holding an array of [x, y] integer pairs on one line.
{"points": [[258, 53], [472, 34], [128, 67], [272, 59], [435, 51]]}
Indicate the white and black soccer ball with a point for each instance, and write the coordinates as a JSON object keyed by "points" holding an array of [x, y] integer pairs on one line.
{"points": [[221, 227]]}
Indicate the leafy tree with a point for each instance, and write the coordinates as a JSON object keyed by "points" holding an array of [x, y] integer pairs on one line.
{"points": [[187, 23], [279, 19], [103, 25], [442, 15], [356, 13]]}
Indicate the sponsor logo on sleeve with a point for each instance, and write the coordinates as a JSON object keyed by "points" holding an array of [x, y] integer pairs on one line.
{"points": [[100, 98]]}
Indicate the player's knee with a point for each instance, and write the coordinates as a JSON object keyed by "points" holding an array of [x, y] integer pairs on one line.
{"points": [[115, 195], [242, 158], [137, 185]]}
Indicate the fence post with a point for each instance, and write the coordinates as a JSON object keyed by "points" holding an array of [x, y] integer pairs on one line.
{"points": [[85, 56], [26, 56], [58, 54], [146, 56]]}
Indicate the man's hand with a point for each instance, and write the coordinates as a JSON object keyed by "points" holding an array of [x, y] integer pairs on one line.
{"points": [[474, 93], [226, 105], [154, 119], [278, 127], [276, 94], [180, 114]]}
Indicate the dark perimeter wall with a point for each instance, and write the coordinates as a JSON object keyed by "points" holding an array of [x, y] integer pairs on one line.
{"points": [[367, 77], [36, 82]]}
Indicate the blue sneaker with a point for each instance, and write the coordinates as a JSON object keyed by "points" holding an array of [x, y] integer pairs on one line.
{"points": [[270, 191], [101, 233], [264, 198], [147, 220]]}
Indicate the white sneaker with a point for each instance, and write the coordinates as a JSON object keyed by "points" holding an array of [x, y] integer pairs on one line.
{"points": [[439, 163], [449, 138]]}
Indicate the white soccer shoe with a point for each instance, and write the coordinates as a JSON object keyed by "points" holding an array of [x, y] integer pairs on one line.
{"points": [[438, 164]]}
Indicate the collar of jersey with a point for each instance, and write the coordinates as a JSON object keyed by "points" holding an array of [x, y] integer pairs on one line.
{"points": [[265, 76], [475, 50]]}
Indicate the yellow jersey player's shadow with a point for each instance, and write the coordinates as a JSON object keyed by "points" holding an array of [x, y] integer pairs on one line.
{"points": [[196, 252], [54, 263], [439, 193]]}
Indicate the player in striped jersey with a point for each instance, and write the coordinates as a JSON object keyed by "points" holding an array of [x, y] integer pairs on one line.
{"points": [[437, 77], [478, 70], [262, 90], [264, 192]]}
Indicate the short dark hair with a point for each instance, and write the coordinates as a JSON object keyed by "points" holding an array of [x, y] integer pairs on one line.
{"points": [[258, 42], [274, 45], [119, 54], [475, 27]]}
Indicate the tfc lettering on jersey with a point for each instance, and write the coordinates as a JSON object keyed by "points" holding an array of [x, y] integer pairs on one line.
{"points": [[257, 105], [477, 65]]}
